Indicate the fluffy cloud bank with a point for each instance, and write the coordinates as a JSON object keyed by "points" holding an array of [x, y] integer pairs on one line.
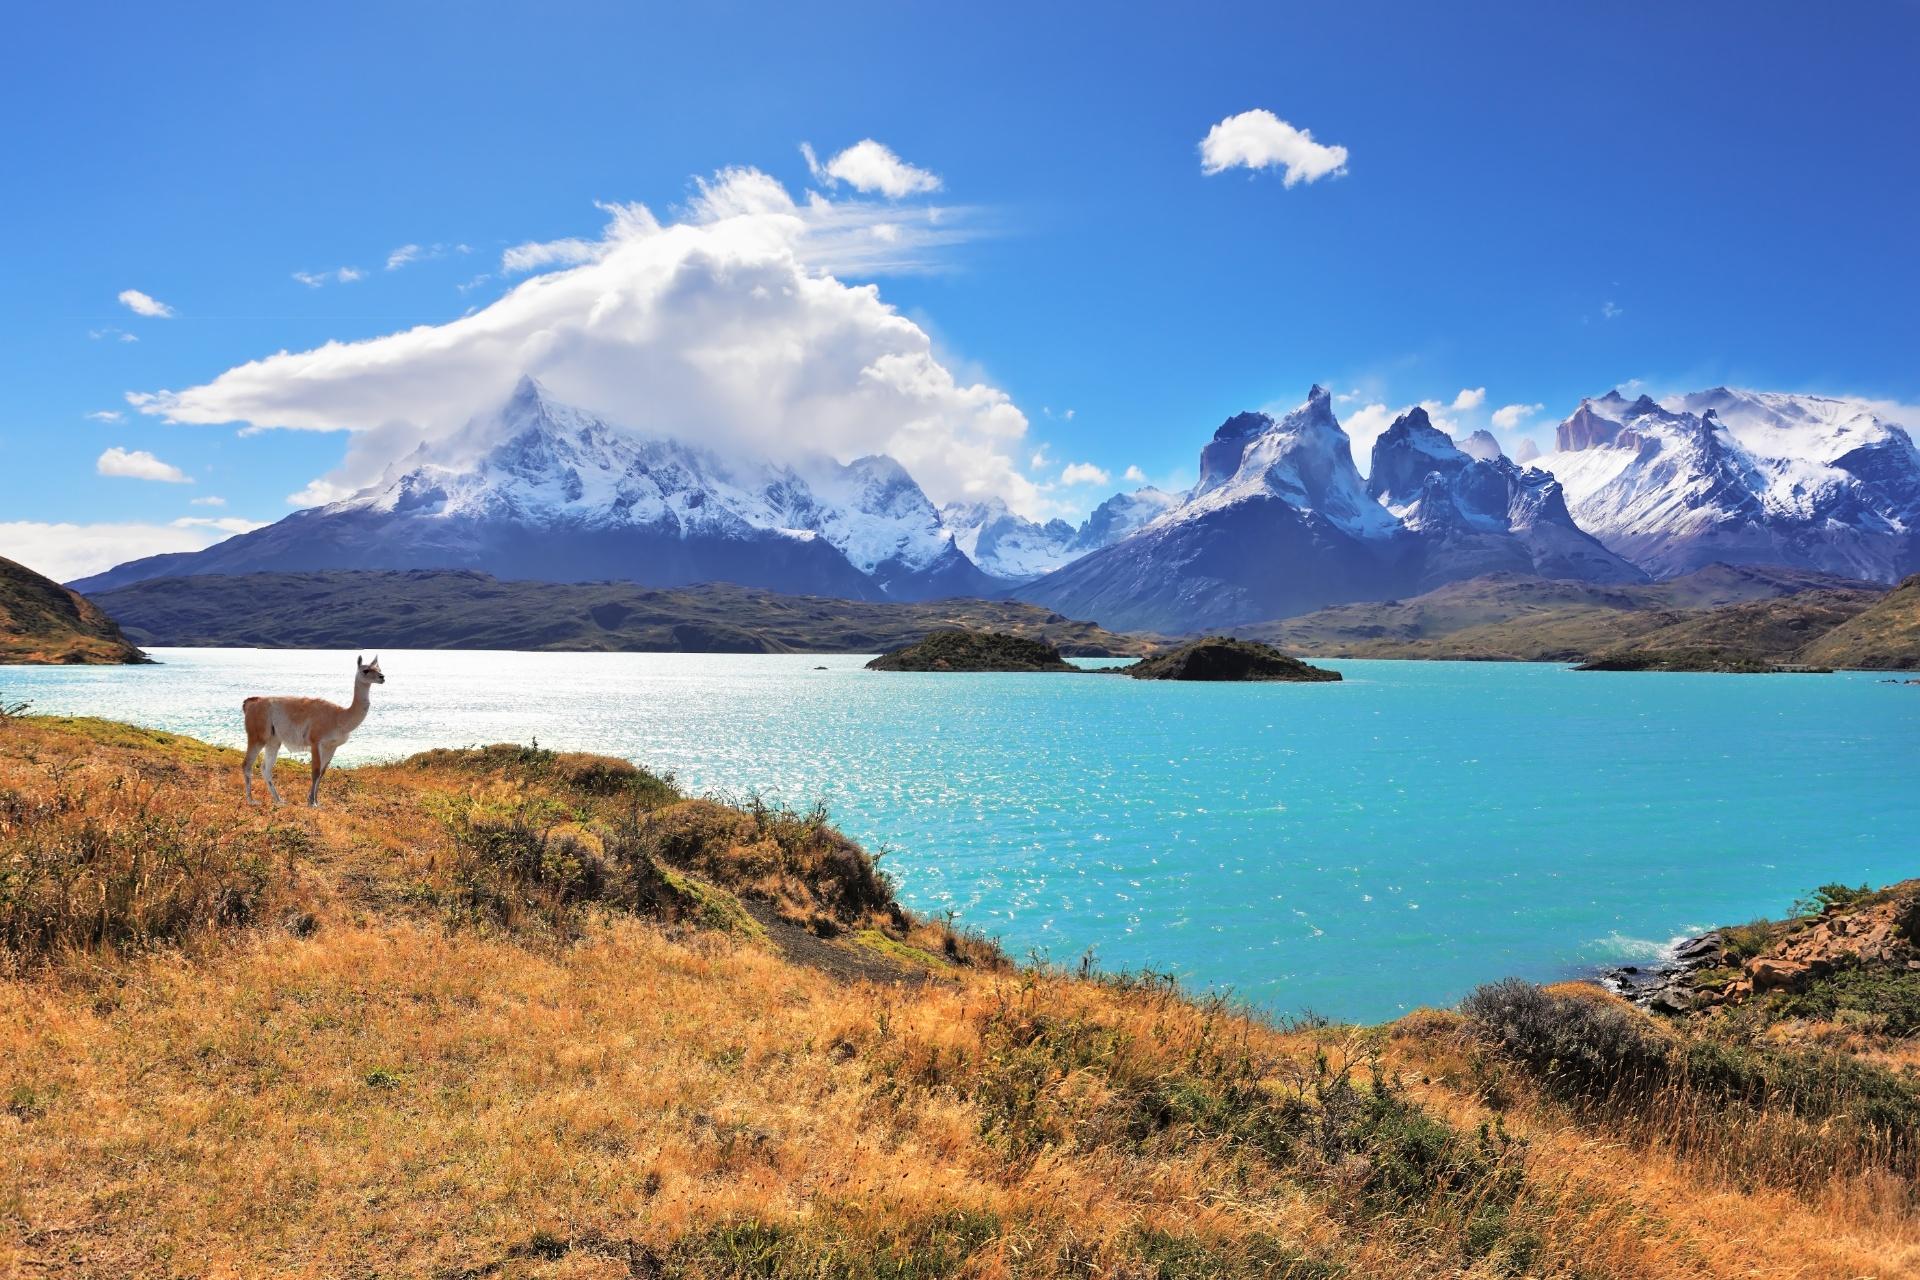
{"points": [[64, 551], [728, 327], [1259, 139]]}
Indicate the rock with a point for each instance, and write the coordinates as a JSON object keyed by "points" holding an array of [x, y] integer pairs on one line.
{"points": [[1768, 973], [1224, 658]]}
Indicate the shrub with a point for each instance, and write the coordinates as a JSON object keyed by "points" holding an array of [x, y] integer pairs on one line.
{"points": [[115, 866], [1793, 1116], [1890, 1001]]}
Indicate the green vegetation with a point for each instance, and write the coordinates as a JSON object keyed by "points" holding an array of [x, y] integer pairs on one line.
{"points": [[976, 651], [1225, 658], [42, 622], [453, 609]]}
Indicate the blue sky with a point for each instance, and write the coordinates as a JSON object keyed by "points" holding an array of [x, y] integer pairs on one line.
{"points": [[1540, 201]]}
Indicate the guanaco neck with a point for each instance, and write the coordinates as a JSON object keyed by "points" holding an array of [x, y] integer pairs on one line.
{"points": [[362, 700]]}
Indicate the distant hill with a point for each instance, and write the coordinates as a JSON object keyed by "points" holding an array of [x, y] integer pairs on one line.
{"points": [[1883, 636], [42, 621], [457, 609], [1517, 617]]}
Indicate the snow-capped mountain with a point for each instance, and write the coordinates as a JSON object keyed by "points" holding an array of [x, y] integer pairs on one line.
{"points": [[1281, 523], [1481, 515], [1016, 549], [543, 490], [1008, 546], [1482, 446], [1743, 477]]}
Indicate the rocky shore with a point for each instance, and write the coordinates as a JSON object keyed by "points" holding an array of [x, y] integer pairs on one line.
{"points": [[1848, 931]]}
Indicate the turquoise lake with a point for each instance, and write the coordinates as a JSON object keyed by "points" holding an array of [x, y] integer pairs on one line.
{"points": [[1355, 849]]}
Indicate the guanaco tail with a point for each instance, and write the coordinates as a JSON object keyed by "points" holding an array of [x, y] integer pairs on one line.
{"points": [[304, 724]]}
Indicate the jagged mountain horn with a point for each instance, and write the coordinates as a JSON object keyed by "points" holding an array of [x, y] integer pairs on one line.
{"points": [[1478, 515], [1281, 523]]}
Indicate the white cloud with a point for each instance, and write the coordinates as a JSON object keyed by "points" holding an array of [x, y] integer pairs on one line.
{"points": [[1258, 139], [111, 332], [64, 552], [1608, 310], [1134, 475], [138, 464], [340, 275], [209, 501], [1363, 427], [223, 524], [724, 327], [1509, 416], [319, 492], [1083, 473], [402, 256], [869, 166], [143, 305], [106, 415], [1469, 398]]}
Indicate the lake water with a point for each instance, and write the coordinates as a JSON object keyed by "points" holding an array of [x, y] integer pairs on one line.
{"points": [[1355, 849]]}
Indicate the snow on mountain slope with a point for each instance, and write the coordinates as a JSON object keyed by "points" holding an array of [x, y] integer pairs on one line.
{"points": [[1015, 549], [1744, 477], [1280, 523], [1007, 546], [543, 490], [1481, 515], [1303, 459]]}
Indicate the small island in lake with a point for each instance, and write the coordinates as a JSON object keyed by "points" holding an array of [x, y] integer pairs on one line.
{"points": [[973, 651], [1225, 658], [1714, 659]]}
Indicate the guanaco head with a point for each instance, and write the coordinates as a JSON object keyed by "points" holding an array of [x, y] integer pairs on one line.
{"points": [[369, 671]]}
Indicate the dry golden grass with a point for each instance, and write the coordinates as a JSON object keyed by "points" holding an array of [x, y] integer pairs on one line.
{"points": [[462, 1030]]}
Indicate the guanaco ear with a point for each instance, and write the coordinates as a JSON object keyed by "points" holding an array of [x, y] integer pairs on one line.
{"points": [[359, 663]]}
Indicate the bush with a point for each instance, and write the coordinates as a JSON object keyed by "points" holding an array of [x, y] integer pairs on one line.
{"points": [[1888, 1001], [115, 867], [1582, 1048], [1790, 1115]]}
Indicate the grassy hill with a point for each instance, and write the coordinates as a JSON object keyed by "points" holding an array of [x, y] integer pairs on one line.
{"points": [[1885, 635], [505, 1013], [1761, 616], [42, 621], [448, 609]]}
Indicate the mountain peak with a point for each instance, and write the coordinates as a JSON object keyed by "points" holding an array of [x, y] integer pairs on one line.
{"points": [[1242, 425], [529, 390]]}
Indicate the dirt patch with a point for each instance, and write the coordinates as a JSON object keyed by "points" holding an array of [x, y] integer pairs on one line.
{"points": [[845, 962]]}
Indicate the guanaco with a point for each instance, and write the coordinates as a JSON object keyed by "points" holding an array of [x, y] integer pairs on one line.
{"points": [[304, 724]]}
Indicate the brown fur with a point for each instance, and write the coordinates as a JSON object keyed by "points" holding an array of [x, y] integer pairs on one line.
{"points": [[304, 724]]}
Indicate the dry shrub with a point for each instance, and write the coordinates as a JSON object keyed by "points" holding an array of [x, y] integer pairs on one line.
{"points": [[1795, 1118], [92, 863]]}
